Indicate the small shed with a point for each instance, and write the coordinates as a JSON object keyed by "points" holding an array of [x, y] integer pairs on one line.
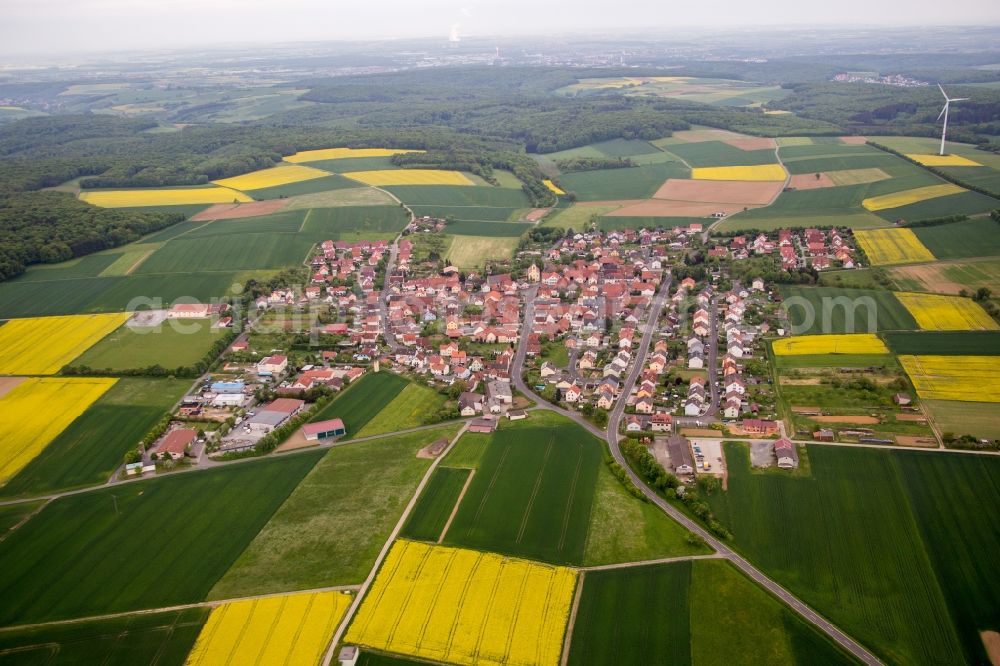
{"points": [[324, 429]]}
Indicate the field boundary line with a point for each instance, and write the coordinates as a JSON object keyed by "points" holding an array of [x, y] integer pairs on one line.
{"points": [[571, 622], [178, 607], [569, 502], [646, 563], [366, 585], [458, 503], [139, 261]]}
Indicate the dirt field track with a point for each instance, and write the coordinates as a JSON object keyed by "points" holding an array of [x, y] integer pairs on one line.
{"points": [[230, 211], [719, 191], [7, 384], [855, 420]]}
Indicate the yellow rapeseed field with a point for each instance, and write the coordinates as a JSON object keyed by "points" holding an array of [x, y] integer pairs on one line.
{"points": [[289, 629], [965, 378], [906, 197], [892, 246], [343, 153], [934, 312], [409, 177], [942, 160], [273, 177], [43, 345], [38, 409], [465, 607], [854, 343], [552, 186], [770, 172], [173, 197]]}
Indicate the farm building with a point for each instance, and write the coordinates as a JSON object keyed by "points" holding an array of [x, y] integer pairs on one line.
{"points": [[787, 454], [229, 400], [324, 429], [190, 311], [275, 414], [272, 365], [483, 425], [176, 442], [679, 450]]}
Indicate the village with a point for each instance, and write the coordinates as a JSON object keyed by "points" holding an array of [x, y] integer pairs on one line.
{"points": [[584, 301]]}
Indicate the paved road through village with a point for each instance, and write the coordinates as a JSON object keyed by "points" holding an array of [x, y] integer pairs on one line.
{"points": [[611, 436]]}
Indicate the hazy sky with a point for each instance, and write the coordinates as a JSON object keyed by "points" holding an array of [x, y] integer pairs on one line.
{"points": [[63, 26]]}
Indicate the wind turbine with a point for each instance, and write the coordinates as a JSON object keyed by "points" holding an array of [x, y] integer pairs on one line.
{"points": [[944, 112]]}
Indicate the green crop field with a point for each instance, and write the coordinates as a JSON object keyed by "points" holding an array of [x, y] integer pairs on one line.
{"points": [[468, 452], [835, 361], [436, 503], [283, 222], [362, 401], [948, 277], [173, 344], [498, 229], [964, 203], [228, 253], [172, 231], [164, 639], [578, 218], [475, 251], [979, 419], [109, 294], [717, 153], [612, 223], [832, 310], [331, 182], [970, 238], [532, 495], [769, 219], [877, 578], [149, 544], [460, 195], [944, 343], [469, 213], [639, 182], [90, 449], [12, 514], [352, 222], [624, 529], [333, 525], [354, 196], [408, 409], [676, 614], [348, 164], [89, 266]]}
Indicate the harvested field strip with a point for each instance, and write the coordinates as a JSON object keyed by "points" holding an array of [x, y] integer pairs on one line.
{"points": [[273, 177], [170, 197], [907, 197], [664, 208], [735, 191], [857, 176], [292, 629], [409, 177], [808, 181], [892, 246], [964, 378], [934, 312], [465, 607], [859, 343], [229, 211], [343, 153], [35, 411], [762, 172], [942, 160], [43, 345]]}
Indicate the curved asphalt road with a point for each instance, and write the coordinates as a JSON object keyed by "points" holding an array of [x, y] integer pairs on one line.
{"points": [[611, 436]]}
